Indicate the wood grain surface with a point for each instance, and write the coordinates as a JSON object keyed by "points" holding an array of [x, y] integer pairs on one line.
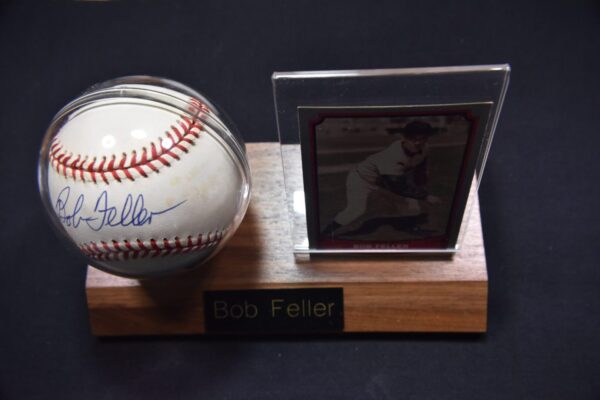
{"points": [[382, 293]]}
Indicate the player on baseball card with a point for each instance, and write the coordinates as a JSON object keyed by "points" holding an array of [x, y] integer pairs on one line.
{"points": [[388, 177]]}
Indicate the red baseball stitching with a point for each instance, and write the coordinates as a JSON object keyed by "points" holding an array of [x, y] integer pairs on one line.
{"points": [[130, 166], [196, 106], [125, 250]]}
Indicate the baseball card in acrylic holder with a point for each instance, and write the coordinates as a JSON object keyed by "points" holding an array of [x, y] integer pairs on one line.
{"points": [[390, 159]]}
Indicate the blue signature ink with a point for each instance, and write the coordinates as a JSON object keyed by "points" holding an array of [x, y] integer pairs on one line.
{"points": [[131, 213]]}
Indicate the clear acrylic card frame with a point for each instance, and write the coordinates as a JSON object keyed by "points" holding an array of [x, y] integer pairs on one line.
{"points": [[356, 144]]}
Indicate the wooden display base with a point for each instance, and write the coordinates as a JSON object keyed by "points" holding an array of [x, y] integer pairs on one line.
{"points": [[381, 293]]}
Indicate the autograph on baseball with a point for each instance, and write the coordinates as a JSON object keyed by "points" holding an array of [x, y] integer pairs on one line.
{"points": [[132, 212]]}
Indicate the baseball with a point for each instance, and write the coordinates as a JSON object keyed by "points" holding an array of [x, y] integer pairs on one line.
{"points": [[142, 187]]}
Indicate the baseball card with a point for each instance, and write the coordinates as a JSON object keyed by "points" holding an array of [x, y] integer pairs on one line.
{"points": [[389, 178]]}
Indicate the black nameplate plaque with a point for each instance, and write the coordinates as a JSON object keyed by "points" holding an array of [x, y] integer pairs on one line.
{"points": [[274, 310]]}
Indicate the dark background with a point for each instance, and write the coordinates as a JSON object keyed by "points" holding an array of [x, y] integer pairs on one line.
{"points": [[539, 197]]}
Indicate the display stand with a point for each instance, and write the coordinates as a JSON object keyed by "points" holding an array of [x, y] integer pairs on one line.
{"points": [[381, 293]]}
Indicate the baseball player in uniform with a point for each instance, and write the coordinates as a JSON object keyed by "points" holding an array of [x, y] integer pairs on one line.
{"points": [[398, 173]]}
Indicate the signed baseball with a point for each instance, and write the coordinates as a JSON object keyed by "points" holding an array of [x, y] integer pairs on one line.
{"points": [[144, 176]]}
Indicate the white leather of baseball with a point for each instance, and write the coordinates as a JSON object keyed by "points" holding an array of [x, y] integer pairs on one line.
{"points": [[140, 188]]}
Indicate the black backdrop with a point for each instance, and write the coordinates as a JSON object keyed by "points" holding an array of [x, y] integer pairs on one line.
{"points": [[539, 196]]}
